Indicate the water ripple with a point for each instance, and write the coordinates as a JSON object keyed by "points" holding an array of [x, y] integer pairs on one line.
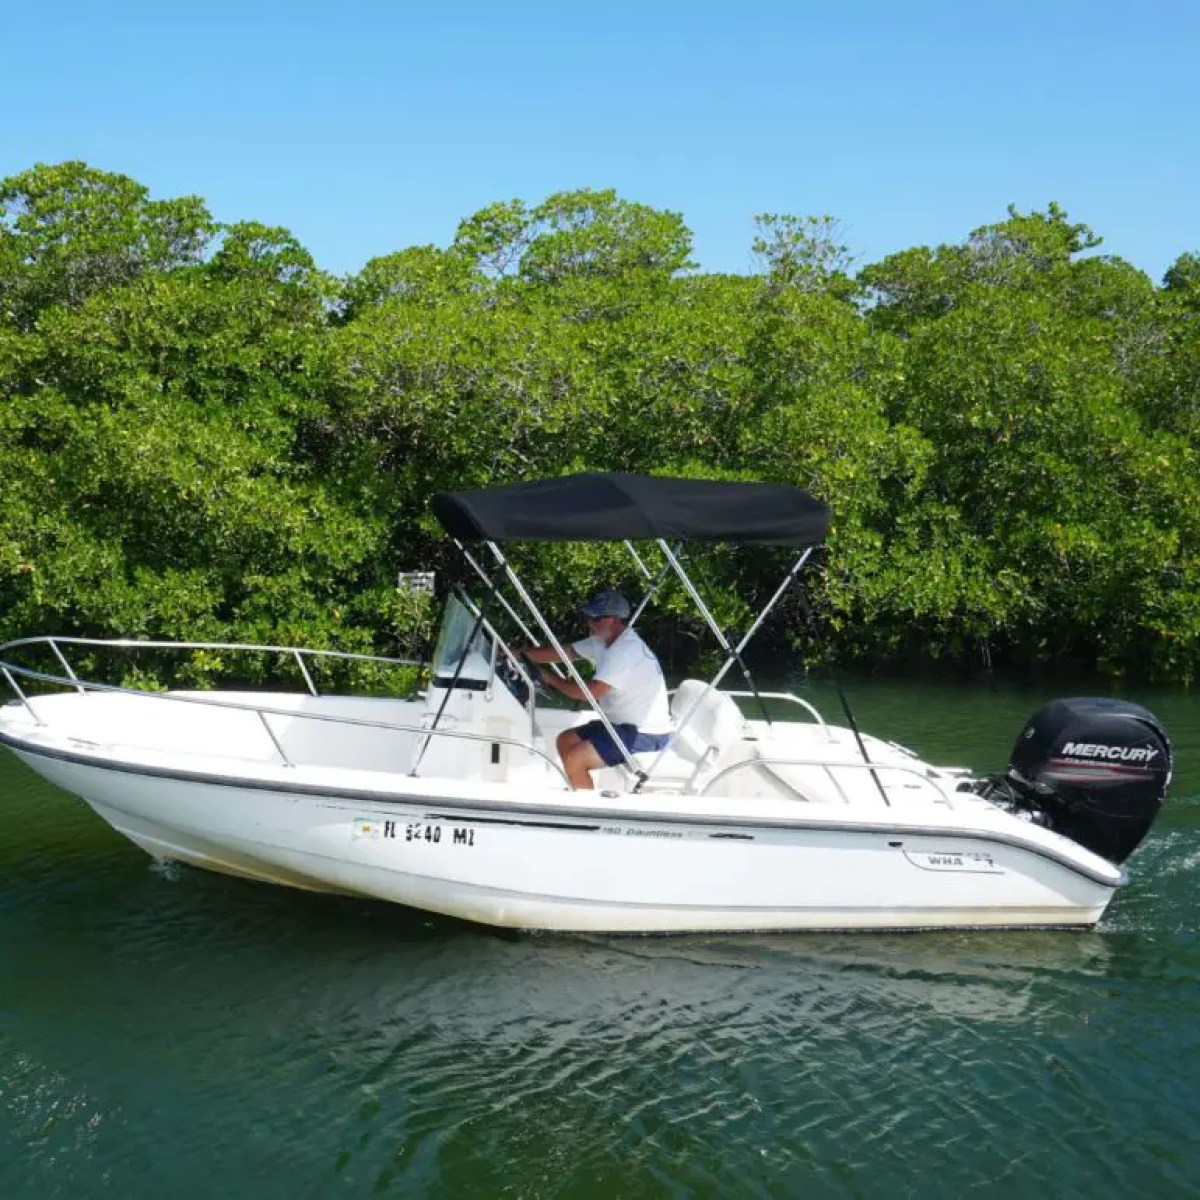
{"points": [[169, 1031]]}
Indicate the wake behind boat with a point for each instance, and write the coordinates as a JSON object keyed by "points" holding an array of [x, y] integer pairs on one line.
{"points": [[454, 801]]}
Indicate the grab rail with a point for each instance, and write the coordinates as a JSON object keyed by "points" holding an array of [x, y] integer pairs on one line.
{"points": [[811, 709], [12, 683], [54, 641], [263, 711], [790, 697], [826, 766]]}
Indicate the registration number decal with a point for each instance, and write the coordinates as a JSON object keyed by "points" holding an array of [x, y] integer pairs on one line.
{"points": [[424, 832]]}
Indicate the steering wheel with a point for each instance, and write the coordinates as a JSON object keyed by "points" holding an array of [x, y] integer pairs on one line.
{"points": [[535, 675], [513, 680]]}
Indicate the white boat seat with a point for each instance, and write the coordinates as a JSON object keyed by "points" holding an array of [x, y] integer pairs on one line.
{"points": [[712, 722], [715, 725], [712, 725]]}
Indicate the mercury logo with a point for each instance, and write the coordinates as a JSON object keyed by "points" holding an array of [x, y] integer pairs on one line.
{"points": [[1137, 754]]}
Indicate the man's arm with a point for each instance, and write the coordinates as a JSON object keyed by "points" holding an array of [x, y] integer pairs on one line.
{"points": [[547, 654], [571, 689]]}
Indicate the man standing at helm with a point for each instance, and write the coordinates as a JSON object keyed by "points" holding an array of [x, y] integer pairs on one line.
{"points": [[627, 686]]}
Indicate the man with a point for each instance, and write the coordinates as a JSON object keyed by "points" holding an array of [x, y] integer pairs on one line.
{"points": [[627, 685]]}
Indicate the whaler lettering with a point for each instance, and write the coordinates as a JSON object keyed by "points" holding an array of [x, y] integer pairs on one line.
{"points": [[970, 861], [1136, 754]]}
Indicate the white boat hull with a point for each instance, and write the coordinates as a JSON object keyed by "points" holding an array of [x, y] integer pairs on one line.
{"points": [[455, 801], [551, 860]]}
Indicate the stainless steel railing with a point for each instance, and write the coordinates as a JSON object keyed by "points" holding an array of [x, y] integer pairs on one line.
{"points": [[829, 768], [11, 672], [788, 697], [299, 653], [811, 709]]}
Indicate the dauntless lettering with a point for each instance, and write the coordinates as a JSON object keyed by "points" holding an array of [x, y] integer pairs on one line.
{"points": [[1137, 754]]}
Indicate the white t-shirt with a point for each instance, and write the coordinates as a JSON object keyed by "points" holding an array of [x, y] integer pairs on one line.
{"points": [[638, 693]]}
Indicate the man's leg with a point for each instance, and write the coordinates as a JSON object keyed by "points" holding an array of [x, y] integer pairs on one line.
{"points": [[580, 762], [579, 759]]}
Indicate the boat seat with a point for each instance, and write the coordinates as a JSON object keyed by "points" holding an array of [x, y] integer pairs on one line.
{"points": [[716, 724], [713, 723]]}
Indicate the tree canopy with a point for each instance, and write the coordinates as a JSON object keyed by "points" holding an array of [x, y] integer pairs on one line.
{"points": [[203, 434]]}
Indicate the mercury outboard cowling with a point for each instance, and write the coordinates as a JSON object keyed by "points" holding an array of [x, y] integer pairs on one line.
{"points": [[1092, 769]]}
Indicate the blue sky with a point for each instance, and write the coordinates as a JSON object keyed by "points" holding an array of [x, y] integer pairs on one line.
{"points": [[368, 127]]}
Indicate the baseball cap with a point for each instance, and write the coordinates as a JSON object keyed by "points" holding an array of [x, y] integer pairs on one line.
{"points": [[608, 603]]}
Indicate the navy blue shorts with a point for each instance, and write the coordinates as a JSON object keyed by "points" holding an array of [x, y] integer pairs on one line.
{"points": [[631, 737]]}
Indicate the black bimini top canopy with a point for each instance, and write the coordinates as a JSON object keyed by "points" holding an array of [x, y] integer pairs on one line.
{"points": [[611, 507]]}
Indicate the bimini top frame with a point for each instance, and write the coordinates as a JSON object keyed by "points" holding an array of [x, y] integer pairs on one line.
{"points": [[608, 506]]}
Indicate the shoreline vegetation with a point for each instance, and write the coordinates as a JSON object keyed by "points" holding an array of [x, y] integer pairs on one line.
{"points": [[204, 436]]}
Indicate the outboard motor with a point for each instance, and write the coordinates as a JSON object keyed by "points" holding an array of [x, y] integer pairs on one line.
{"points": [[1094, 770]]}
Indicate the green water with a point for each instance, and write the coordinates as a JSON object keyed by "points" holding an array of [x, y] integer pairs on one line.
{"points": [[164, 1032]]}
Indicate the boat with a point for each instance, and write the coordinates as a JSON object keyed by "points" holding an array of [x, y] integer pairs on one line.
{"points": [[759, 814]]}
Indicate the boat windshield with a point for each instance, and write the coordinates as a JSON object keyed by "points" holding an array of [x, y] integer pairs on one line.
{"points": [[455, 644]]}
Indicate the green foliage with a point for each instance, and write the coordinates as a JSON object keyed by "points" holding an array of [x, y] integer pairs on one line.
{"points": [[421, 275], [803, 253], [576, 234], [204, 436], [68, 232], [1182, 280]]}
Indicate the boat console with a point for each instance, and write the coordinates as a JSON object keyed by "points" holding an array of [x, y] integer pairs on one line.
{"points": [[476, 687]]}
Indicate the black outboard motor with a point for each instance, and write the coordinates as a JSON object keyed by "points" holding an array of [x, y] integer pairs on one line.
{"points": [[1094, 770]]}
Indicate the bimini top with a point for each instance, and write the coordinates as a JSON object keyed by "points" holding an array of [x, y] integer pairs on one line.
{"points": [[610, 507]]}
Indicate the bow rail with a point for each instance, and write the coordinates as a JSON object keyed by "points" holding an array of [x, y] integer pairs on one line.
{"points": [[263, 711], [299, 653]]}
